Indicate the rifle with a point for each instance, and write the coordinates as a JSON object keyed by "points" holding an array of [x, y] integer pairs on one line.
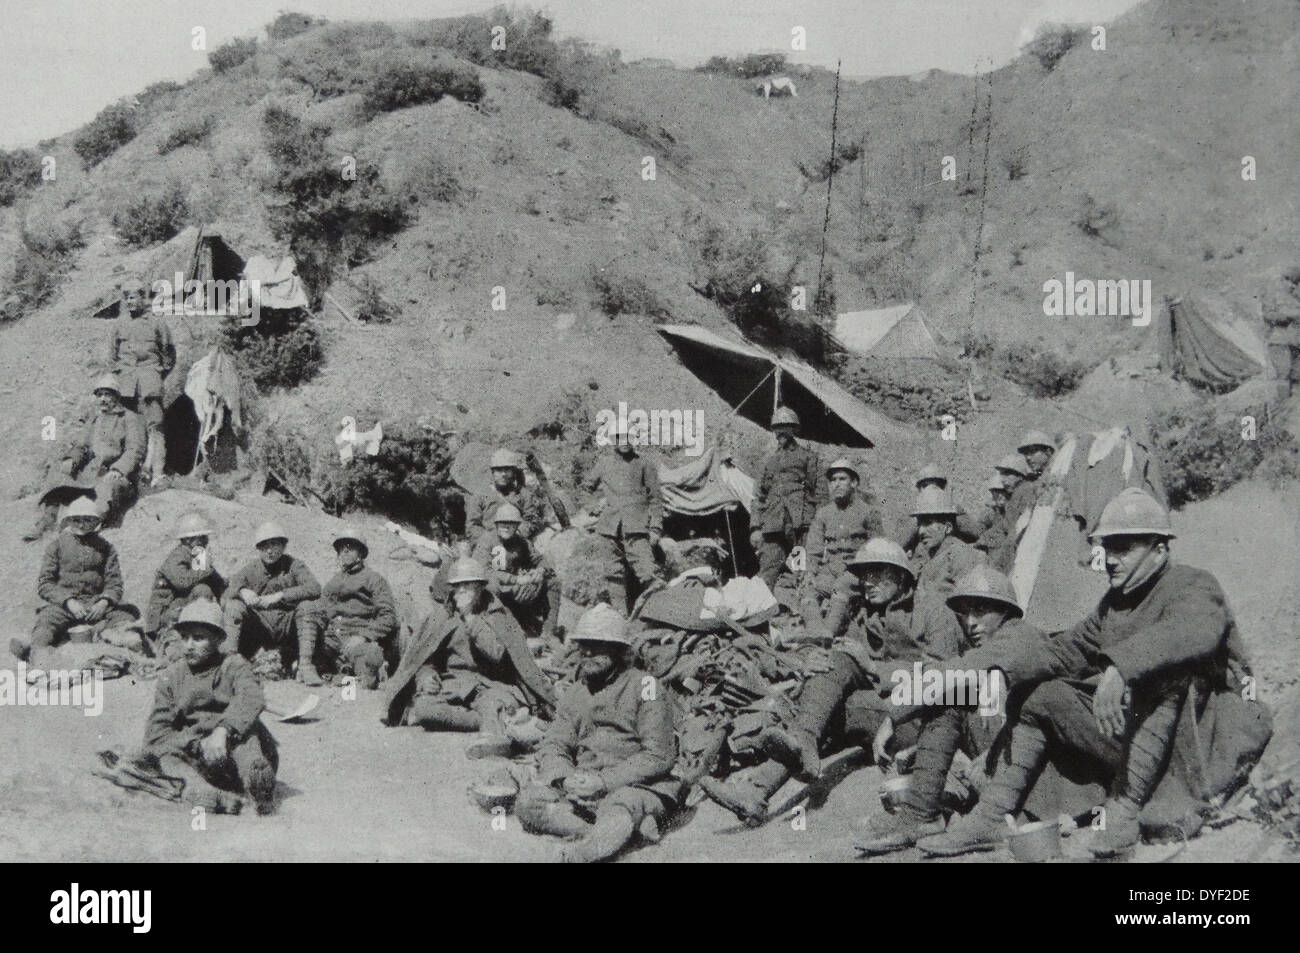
{"points": [[544, 481]]}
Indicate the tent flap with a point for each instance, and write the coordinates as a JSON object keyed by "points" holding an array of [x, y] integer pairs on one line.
{"points": [[1200, 344]]}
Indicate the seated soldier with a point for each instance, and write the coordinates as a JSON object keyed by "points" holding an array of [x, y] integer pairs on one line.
{"points": [[356, 613], [966, 528], [874, 629], [105, 458], [837, 530], [264, 596], [80, 584], [985, 605], [993, 539], [185, 575], [1111, 691], [604, 767], [520, 578], [470, 670], [510, 486], [941, 558], [204, 727]]}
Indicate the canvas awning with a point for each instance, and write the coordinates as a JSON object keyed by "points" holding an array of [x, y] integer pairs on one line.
{"points": [[1203, 343], [747, 376]]}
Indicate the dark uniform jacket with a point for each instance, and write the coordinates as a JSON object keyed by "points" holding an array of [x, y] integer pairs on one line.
{"points": [[837, 532], [188, 705], [788, 491], [142, 354], [363, 602], [533, 506], [79, 567], [288, 575], [175, 580], [112, 440], [631, 489]]}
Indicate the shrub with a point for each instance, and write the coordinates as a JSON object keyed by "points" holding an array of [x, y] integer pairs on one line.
{"points": [[374, 308], [620, 293], [283, 349], [1052, 42], [1041, 373], [432, 178], [341, 59], [229, 55], [19, 170], [748, 67], [399, 83], [915, 392], [154, 92], [149, 219], [113, 128], [1202, 453], [291, 24], [44, 258], [189, 133]]}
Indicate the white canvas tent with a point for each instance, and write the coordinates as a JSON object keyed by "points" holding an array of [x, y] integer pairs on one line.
{"points": [[898, 331]]}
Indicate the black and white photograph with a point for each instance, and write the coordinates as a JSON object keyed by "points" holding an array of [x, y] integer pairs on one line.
{"points": [[701, 432]]}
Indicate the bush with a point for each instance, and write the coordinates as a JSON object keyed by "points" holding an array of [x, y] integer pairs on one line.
{"points": [[1052, 42], [283, 349], [341, 59], [291, 24], [748, 67], [229, 55], [1041, 373], [150, 219], [399, 83], [113, 128], [151, 94], [374, 308], [620, 293], [1202, 453], [44, 258], [189, 133], [915, 392], [19, 170]]}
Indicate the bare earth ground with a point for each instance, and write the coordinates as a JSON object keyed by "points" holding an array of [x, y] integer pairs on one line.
{"points": [[354, 790]]}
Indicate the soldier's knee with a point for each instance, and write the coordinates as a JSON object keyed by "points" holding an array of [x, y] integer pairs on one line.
{"points": [[533, 805], [1050, 701]]}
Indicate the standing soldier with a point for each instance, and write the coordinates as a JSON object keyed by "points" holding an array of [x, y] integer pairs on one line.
{"points": [[185, 575], [356, 615], [264, 596], [140, 350], [1281, 309], [787, 498], [838, 529], [631, 521]]}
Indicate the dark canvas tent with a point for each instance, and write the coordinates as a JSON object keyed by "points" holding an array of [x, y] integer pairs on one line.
{"points": [[1204, 343], [899, 331], [749, 378]]}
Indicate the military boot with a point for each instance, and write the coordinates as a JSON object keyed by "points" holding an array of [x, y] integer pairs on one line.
{"points": [[747, 797], [610, 834], [307, 673], [440, 716], [795, 748], [891, 832], [261, 785]]}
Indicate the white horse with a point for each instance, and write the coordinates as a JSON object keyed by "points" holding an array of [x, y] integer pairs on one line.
{"points": [[781, 86]]}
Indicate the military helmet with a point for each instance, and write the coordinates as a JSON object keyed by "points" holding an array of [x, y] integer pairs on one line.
{"points": [[931, 471], [504, 459], [202, 614], [351, 534], [995, 484], [881, 551], [192, 524], [601, 623], [268, 531], [1036, 438], [107, 382], [1013, 463], [934, 501], [785, 417], [985, 583], [81, 506], [466, 569], [1133, 512], [843, 464], [507, 513]]}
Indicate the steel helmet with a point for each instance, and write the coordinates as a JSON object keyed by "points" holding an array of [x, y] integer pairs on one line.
{"points": [[881, 551], [466, 569], [1014, 463], [268, 531], [508, 513], [1036, 438], [931, 471], [986, 583], [601, 623], [107, 382], [934, 501], [506, 460], [995, 484], [1133, 512], [192, 524], [843, 464], [351, 534], [785, 417], [81, 506], [201, 614]]}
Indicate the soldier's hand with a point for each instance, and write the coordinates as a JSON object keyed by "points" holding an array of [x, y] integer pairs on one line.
{"points": [[756, 539], [250, 598], [75, 609], [881, 742], [213, 747], [97, 610], [1108, 703], [274, 599]]}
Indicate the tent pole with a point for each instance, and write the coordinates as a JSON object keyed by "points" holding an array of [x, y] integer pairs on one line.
{"points": [[776, 390], [731, 544]]}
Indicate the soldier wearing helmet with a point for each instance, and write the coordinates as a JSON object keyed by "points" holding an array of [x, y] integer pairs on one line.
{"points": [[264, 596], [873, 627], [604, 767], [789, 488], [104, 458], [353, 625], [141, 352], [941, 556], [469, 669], [1111, 691], [79, 584], [837, 530], [509, 486], [520, 577], [630, 517], [187, 573]]}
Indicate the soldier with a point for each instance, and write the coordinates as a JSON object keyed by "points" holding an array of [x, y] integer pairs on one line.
{"points": [[264, 596], [986, 607], [355, 613], [508, 486], [106, 458], [80, 584], [838, 529], [523, 581], [966, 528], [469, 670], [875, 628], [185, 575], [1037, 449], [140, 350], [1280, 305], [993, 540], [1000, 538], [1111, 690], [604, 767], [786, 500], [941, 557], [632, 519], [931, 475], [204, 727]]}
